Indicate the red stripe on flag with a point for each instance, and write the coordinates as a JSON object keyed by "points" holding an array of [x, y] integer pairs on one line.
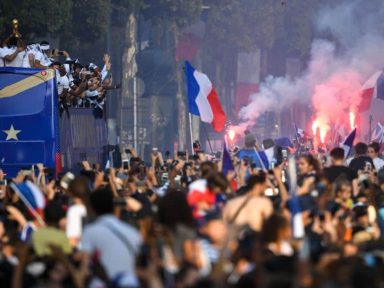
{"points": [[219, 117], [366, 99]]}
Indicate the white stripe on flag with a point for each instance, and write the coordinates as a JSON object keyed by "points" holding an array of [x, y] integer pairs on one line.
{"points": [[206, 113]]}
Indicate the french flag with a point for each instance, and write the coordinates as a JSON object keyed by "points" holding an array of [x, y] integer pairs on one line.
{"points": [[372, 88], [32, 197], [348, 143], [378, 133], [300, 133], [203, 99], [266, 157]]}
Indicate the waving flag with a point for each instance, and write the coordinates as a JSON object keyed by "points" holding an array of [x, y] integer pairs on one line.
{"points": [[32, 197], [266, 157], [348, 143], [372, 88], [227, 162], [203, 99], [377, 133], [300, 133]]}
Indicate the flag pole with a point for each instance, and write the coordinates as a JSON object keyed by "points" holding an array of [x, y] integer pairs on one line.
{"points": [[258, 157], [206, 135], [190, 131], [370, 128], [297, 138]]}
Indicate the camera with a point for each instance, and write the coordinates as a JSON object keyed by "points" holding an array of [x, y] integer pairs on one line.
{"points": [[128, 151], [181, 153], [66, 180]]}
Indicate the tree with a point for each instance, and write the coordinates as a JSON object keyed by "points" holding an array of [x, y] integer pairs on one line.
{"points": [[37, 18], [171, 16]]}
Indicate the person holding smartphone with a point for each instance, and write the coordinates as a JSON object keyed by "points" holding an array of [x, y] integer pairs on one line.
{"points": [[3, 184]]}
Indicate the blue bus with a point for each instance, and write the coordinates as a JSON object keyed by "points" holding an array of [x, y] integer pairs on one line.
{"points": [[29, 127]]}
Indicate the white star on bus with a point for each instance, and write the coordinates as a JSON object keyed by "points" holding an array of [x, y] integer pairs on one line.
{"points": [[11, 133]]}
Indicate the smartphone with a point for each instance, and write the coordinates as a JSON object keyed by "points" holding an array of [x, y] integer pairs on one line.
{"points": [[271, 192], [285, 154], [49, 171], [27, 172], [3, 182], [66, 180]]}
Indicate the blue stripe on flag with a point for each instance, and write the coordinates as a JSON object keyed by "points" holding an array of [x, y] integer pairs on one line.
{"points": [[193, 89], [264, 158], [348, 143], [227, 162], [380, 87], [28, 195]]}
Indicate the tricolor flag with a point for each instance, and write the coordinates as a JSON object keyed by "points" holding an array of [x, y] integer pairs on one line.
{"points": [[378, 133], [372, 88], [300, 133], [203, 99], [348, 143], [227, 162], [32, 197], [266, 157]]}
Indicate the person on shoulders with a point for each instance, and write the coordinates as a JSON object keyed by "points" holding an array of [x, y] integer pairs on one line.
{"points": [[361, 160], [337, 168], [373, 152]]}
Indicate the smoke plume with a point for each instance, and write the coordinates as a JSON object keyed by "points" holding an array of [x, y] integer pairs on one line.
{"points": [[336, 71]]}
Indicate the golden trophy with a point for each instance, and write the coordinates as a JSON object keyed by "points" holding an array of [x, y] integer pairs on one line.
{"points": [[15, 28]]}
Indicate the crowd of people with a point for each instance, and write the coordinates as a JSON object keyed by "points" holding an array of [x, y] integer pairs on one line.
{"points": [[185, 221], [78, 85]]}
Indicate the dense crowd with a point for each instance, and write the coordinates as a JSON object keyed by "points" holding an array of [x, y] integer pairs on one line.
{"points": [[180, 222], [78, 85]]}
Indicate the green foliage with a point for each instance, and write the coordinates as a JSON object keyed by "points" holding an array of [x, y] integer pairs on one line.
{"points": [[36, 17], [297, 30], [181, 12], [244, 24], [85, 19], [90, 19]]}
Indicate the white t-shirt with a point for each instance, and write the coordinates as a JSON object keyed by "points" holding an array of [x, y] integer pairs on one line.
{"points": [[42, 58], [379, 163], [62, 83], [26, 63], [75, 215], [3, 53], [18, 61], [117, 250]]}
